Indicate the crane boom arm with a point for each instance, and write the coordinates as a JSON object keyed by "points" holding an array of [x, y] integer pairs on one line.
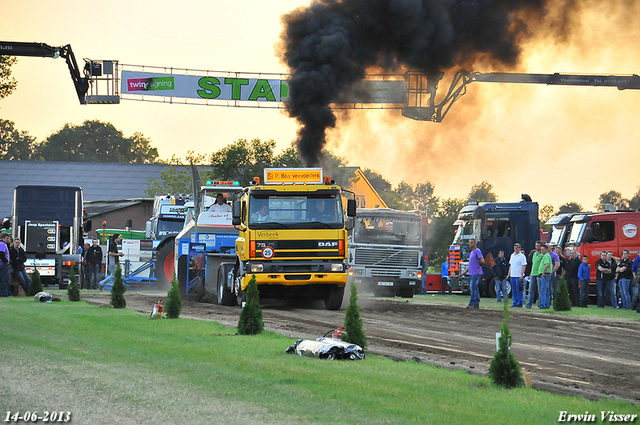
{"points": [[432, 111], [17, 48]]}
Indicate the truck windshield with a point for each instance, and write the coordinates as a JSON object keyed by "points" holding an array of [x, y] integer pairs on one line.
{"points": [[387, 230], [169, 227], [467, 229], [577, 230], [557, 234], [295, 212]]}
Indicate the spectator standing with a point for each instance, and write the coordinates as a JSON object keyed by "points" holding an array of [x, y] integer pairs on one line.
{"points": [[517, 267], [18, 257], [534, 258], [5, 259], [500, 272], [571, 267], [636, 277], [444, 276], [584, 276], [611, 295], [546, 269], [624, 278], [603, 270], [87, 274], [114, 254], [93, 263], [556, 267], [476, 261]]}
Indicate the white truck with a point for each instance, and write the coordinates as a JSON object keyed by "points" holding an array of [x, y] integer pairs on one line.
{"points": [[386, 251]]}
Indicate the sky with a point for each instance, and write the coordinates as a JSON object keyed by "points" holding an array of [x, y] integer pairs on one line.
{"points": [[557, 144]]}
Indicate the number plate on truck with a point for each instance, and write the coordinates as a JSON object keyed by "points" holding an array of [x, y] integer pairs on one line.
{"points": [[385, 283]]}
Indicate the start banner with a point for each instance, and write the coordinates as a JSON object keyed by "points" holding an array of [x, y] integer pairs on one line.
{"points": [[248, 89], [198, 87]]}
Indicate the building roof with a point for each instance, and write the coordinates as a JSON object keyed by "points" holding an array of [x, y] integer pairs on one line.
{"points": [[99, 181]]}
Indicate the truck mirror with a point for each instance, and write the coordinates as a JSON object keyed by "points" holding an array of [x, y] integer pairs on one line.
{"points": [[237, 212], [235, 221], [87, 226], [351, 208], [588, 235]]}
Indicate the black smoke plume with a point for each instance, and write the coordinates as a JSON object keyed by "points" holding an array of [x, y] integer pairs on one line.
{"points": [[330, 44]]}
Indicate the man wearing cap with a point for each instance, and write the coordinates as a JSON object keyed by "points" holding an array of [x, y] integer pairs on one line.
{"points": [[220, 205], [517, 266]]}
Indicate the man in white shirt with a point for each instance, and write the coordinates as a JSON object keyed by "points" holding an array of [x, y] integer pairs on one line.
{"points": [[517, 265], [220, 205]]}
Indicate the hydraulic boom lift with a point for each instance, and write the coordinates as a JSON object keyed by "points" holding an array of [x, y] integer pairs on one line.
{"points": [[91, 70], [421, 88]]}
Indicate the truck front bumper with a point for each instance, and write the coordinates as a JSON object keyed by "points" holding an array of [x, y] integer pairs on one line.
{"points": [[295, 273]]}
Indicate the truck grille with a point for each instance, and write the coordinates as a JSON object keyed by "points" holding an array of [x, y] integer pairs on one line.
{"points": [[325, 248], [387, 257], [386, 272]]}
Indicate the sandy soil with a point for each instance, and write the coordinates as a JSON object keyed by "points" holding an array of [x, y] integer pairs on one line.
{"points": [[567, 355]]}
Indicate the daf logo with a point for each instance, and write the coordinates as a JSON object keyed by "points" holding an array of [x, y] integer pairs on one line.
{"points": [[327, 244]]}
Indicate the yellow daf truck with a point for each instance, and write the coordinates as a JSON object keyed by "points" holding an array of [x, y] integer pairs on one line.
{"points": [[292, 236]]}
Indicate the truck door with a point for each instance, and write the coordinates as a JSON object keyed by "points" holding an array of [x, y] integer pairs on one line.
{"points": [[604, 237], [628, 237], [499, 234]]}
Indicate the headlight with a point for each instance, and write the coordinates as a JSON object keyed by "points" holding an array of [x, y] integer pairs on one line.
{"points": [[337, 267], [412, 273], [464, 267], [257, 268]]}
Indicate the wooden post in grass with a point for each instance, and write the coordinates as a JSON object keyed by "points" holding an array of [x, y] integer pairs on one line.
{"points": [[118, 289]]}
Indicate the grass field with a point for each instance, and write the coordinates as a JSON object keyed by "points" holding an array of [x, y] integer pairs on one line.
{"points": [[110, 366]]}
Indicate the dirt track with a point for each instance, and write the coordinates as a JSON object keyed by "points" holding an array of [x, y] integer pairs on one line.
{"points": [[567, 355]]}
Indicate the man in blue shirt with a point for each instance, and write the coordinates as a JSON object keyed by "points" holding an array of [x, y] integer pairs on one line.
{"points": [[476, 261], [444, 275], [584, 276]]}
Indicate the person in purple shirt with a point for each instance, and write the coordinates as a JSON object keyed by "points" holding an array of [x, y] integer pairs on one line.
{"points": [[5, 241], [476, 261], [556, 265]]}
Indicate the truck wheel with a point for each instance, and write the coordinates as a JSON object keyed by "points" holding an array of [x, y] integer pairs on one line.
{"points": [[333, 301], [490, 290], [165, 266], [406, 292], [225, 297]]}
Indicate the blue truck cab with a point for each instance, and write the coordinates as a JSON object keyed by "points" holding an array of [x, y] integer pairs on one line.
{"points": [[495, 226]]}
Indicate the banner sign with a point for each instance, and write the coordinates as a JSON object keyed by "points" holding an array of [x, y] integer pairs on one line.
{"points": [[198, 87], [249, 89]]}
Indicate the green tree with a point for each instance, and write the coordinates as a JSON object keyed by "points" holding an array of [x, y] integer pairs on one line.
{"points": [[562, 302], [95, 141], [425, 199], [482, 192], [353, 321], [505, 370], [337, 168], [36, 283], [14, 144], [73, 291], [614, 198], [118, 289], [173, 307], [634, 202], [7, 83], [569, 207], [176, 179], [544, 214], [384, 189], [288, 158], [250, 322], [406, 196], [242, 160]]}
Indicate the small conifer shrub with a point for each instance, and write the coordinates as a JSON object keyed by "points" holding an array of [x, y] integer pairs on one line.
{"points": [[562, 302], [250, 322], [73, 291], [36, 283], [173, 307], [118, 289], [353, 321], [505, 369]]}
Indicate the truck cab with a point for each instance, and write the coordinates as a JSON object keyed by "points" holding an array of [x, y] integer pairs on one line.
{"points": [[292, 237], [386, 251], [495, 226]]}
